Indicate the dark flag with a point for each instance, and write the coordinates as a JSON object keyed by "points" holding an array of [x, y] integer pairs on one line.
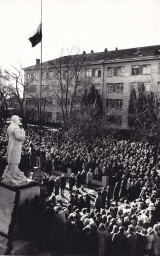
{"points": [[37, 36]]}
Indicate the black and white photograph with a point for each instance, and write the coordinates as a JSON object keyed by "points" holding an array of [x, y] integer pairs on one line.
{"points": [[80, 127]]}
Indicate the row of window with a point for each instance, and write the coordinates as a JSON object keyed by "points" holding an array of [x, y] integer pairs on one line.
{"points": [[115, 71], [47, 102], [114, 104], [114, 87], [48, 116], [120, 71], [96, 72], [110, 103], [141, 69], [33, 88], [35, 101], [110, 88], [64, 74]]}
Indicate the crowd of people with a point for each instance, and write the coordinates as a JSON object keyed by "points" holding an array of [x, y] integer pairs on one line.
{"points": [[122, 219]]}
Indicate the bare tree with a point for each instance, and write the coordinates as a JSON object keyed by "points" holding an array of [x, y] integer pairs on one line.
{"points": [[5, 97], [21, 87], [65, 83]]}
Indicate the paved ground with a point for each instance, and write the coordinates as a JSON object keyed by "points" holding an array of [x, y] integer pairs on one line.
{"points": [[82, 191]]}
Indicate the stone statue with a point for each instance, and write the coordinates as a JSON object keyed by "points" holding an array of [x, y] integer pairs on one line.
{"points": [[16, 136]]}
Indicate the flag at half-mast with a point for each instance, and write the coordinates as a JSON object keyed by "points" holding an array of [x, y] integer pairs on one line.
{"points": [[36, 38]]}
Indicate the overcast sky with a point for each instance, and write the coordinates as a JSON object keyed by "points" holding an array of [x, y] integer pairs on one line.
{"points": [[75, 24]]}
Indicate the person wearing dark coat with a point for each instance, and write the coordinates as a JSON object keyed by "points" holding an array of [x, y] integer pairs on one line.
{"points": [[109, 194], [33, 155], [78, 178], [104, 196], [71, 241], [116, 192], [83, 178], [119, 242], [123, 189], [88, 202], [98, 201], [71, 182], [57, 185], [63, 184], [48, 165], [50, 185], [141, 243], [81, 203]]}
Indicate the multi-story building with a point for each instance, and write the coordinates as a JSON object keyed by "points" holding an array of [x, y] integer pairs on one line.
{"points": [[113, 73]]}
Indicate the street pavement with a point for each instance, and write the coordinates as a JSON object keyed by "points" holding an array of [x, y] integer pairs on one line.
{"points": [[82, 191]]}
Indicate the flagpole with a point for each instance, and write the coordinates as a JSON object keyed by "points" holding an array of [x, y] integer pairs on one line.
{"points": [[40, 96]]}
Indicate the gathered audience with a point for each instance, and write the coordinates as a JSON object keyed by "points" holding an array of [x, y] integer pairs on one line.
{"points": [[121, 219]]}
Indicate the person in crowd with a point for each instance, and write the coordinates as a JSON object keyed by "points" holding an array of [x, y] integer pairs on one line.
{"points": [[156, 240], [33, 155], [132, 241], [48, 165], [104, 196], [57, 185], [88, 202], [109, 196], [98, 201], [83, 178], [50, 185], [141, 242], [119, 242], [150, 239], [116, 192], [63, 184], [89, 178], [72, 182], [78, 180], [103, 240]]}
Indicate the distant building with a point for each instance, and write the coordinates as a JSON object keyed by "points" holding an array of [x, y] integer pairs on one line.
{"points": [[113, 73]]}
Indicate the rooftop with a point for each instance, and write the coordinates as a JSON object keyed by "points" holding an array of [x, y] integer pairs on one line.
{"points": [[106, 56]]}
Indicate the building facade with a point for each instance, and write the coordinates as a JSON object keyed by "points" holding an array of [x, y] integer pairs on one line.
{"points": [[112, 73]]}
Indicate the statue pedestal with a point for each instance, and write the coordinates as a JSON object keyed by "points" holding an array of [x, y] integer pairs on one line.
{"points": [[11, 198]]}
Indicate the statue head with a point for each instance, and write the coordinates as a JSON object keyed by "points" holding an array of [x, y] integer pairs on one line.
{"points": [[15, 119]]}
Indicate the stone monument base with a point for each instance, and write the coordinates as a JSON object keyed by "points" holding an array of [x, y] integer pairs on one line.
{"points": [[11, 199], [19, 247]]}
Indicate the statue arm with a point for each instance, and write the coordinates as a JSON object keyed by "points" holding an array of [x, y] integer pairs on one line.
{"points": [[19, 134]]}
